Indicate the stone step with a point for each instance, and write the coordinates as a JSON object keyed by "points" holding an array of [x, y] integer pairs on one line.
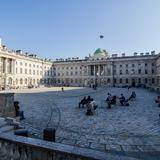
{"points": [[6, 129], [2, 122]]}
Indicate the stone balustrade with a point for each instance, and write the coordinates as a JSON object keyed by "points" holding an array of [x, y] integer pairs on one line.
{"points": [[24, 148]]}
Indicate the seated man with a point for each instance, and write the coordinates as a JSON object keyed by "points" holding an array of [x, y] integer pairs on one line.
{"points": [[108, 97], [111, 100], [89, 109], [83, 102], [88, 99], [94, 105], [158, 100], [133, 96], [122, 99], [17, 110]]}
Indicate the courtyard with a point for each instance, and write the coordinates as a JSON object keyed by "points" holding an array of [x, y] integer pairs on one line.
{"points": [[121, 129]]}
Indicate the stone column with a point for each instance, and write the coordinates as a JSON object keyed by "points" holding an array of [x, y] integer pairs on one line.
{"points": [[6, 65], [13, 66], [99, 70], [88, 71], [7, 104], [5, 72], [0, 66], [94, 70]]}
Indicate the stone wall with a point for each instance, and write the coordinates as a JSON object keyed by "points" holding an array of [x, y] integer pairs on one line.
{"points": [[7, 104], [24, 148]]}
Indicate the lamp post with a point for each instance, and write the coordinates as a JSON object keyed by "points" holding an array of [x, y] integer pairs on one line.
{"points": [[96, 80], [113, 73], [81, 75]]}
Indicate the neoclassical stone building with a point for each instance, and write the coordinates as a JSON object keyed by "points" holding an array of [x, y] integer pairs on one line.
{"points": [[101, 69], [19, 69]]}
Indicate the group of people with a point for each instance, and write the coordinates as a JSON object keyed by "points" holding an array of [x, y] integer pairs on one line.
{"points": [[112, 100], [91, 105]]}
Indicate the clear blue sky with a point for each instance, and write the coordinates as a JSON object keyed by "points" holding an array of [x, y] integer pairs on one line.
{"points": [[71, 28]]}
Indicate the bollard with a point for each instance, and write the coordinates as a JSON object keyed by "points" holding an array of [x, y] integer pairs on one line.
{"points": [[21, 132], [49, 134]]}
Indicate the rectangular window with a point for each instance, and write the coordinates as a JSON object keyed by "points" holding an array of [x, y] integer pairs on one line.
{"points": [[139, 80], [139, 71], [126, 71], [146, 80], [146, 71], [21, 70]]}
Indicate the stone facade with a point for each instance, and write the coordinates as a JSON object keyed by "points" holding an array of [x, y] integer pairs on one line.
{"points": [[137, 70], [23, 70]]}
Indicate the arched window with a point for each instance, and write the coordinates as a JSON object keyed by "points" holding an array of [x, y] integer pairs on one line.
{"points": [[21, 81], [25, 80], [10, 81]]}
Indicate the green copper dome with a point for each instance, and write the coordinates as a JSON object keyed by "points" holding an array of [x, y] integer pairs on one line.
{"points": [[100, 52]]}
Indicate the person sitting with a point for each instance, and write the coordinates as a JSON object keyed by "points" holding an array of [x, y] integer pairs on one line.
{"points": [[89, 109], [122, 99], [111, 101], [108, 97], [133, 96], [88, 99], [83, 102], [158, 100], [94, 105], [17, 110]]}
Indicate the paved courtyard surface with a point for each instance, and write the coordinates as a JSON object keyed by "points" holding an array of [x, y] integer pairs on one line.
{"points": [[130, 131]]}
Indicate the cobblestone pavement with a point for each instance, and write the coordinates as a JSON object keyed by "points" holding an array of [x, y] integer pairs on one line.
{"points": [[124, 130]]}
